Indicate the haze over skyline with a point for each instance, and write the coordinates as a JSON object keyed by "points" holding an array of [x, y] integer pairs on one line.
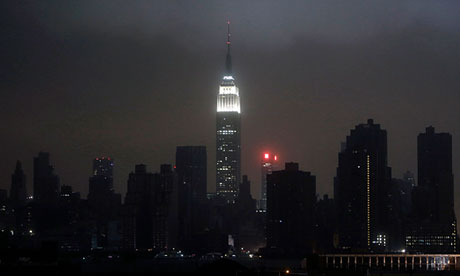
{"points": [[134, 80]]}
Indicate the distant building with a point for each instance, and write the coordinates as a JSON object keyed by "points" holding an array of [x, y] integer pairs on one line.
{"points": [[104, 204], [291, 198], [101, 197], [434, 226], [269, 163], [362, 188], [46, 183], [228, 134], [18, 191], [326, 223], [150, 214], [191, 168]]}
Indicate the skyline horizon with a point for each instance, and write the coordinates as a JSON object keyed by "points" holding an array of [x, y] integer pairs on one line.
{"points": [[134, 81]]}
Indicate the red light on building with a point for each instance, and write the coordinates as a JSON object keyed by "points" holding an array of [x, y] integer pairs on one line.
{"points": [[267, 156], [276, 157]]}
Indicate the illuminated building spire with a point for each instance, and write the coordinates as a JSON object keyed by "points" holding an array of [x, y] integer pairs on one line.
{"points": [[228, 60]]}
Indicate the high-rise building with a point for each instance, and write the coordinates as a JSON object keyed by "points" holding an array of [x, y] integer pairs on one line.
{"points": [[361, 190], [46, 183], [150, 211], [291, 198], [101, 193], [191, 168], [228, 134], [18, 192], [269, 163], [434, 228], [104, 204]]}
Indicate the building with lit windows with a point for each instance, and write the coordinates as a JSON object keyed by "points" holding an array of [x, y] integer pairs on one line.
{"points": [[362, 189], [228, 134], [269, 163], [434, 225]]}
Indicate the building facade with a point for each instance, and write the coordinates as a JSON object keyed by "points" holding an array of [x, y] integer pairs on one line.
{"points": [[434, 226], [228, 134], [361, 190], [291, 198], [191, 169], [269, 163]]}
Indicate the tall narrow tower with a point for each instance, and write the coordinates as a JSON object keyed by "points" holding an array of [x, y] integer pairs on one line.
{"points": [[228, 133]]}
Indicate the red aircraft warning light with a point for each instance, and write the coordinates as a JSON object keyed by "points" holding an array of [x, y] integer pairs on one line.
{"points": [[267, 156]]}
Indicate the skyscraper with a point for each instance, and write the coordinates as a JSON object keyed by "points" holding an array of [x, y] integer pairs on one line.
{"points": [[191, 168], [101, 184], [228, 134], [362, 188], [103, 202], [291, 198], [150, 212], [269, 162], [18, 192], [434, 228], [46, 183]]}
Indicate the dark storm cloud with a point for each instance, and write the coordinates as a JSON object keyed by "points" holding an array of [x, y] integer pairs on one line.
{"points": [[135, 79]]}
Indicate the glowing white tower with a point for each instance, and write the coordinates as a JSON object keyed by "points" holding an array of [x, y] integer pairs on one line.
{"points": [[228, 134]]}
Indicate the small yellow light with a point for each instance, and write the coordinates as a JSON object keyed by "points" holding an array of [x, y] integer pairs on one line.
{"points": [[287, 271]]}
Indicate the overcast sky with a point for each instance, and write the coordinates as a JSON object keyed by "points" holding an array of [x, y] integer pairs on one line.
{"points": [[134, 79]]}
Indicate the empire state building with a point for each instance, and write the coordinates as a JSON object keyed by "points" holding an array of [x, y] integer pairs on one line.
{"points": [[228, 134]]}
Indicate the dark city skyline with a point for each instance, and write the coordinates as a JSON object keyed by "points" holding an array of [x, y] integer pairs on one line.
{"points": [[131, 81]]}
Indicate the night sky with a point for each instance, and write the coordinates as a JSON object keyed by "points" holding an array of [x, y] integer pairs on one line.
{"points": [[134, 79]]}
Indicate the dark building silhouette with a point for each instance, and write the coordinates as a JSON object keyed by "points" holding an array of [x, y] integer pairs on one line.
{"points": [[326, 223], [18, 191], [46, 183], [434, 226], [191, 168], [249, 232], [104, 205], [291, 198], [362, 188], [150, 215], [228, 134], [165, 209]]}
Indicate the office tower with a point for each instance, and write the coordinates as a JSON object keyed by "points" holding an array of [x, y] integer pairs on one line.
{"points": [[228, 134], [191, 169], [165, 209], [104, 204], [138, 218], [326, 222], [150, 211], [18, 192], [46, 183], [434, 228], [101, 195], [291, 198], [362, 188], [269, 163], [249, 233]]}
